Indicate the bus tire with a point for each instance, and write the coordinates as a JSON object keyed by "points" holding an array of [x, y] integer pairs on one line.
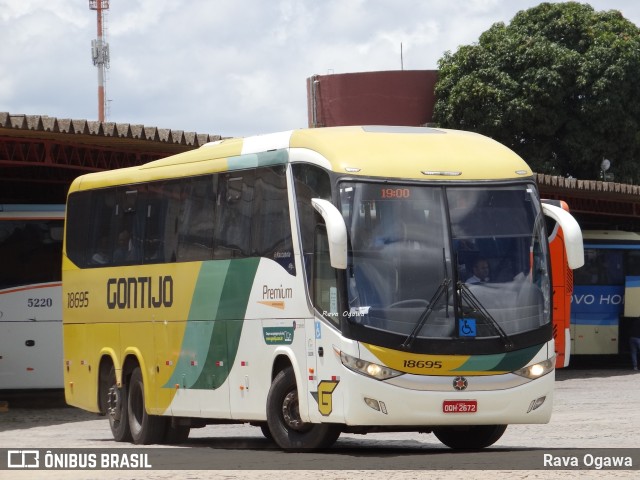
{"points": [[145, 428], [115, 402], [473, 437], [264, 428], [175, 434], [284, 422]]}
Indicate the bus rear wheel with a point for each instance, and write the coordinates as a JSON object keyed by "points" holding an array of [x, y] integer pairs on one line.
{"points": [[116, 407], [471, 437], [145, 428], [283, 418]]}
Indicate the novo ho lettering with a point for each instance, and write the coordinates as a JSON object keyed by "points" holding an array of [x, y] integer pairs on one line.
{"points": [[590, 299]]}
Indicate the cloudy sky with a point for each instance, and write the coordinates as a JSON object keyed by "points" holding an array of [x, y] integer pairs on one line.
{"points": [[227, 67]]}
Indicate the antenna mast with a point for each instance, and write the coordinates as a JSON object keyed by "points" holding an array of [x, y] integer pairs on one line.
{"points": [[100, 53]]}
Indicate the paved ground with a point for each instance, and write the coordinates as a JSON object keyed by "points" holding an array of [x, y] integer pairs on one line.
{"points": [[594, 409]]}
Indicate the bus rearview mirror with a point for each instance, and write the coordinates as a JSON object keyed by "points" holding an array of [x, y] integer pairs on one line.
{"points": [[336, 231], [572, 234]]}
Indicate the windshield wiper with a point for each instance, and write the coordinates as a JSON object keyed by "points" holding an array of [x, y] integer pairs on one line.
{"points": [[441, 290], [476, 306]]}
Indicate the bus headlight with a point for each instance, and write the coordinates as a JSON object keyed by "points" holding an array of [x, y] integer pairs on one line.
{"points": [[368, 369], [537, 370]]}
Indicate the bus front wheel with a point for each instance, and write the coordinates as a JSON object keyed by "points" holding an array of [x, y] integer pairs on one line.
{"points": [[145, 428], [471, 437], [283, 418]]}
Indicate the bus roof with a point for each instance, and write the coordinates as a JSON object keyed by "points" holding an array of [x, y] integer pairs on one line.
{"points": [[610, 236], [25, 207], [378, 151], [20, 211]]}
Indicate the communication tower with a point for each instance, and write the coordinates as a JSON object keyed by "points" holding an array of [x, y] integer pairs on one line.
{"points": [[100, 53]]}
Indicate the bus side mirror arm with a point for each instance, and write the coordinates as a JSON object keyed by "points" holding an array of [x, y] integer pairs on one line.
{"points": [[572, 234], [336, 231]]}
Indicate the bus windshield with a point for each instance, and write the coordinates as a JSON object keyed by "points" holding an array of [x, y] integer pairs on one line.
{"points": [[440, 263]]}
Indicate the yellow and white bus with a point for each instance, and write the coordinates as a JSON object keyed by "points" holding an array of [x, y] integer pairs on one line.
{"points": [[314, 282]]}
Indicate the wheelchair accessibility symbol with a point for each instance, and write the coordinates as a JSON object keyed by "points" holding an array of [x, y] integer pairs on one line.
{"points": [[467, 327]]}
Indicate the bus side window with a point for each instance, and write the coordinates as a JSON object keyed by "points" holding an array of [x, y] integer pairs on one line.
{"points": [[602, 267], [162, 211], [80, 230], [310, 182], [233, 223], [127, 228], [28, 253], [633, 263], [102, 217], [154, 208], [196, 219], [271, 225]]}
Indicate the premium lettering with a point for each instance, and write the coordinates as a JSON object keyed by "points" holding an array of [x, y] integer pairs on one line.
{"points": [[276, 293], [140, 292]]}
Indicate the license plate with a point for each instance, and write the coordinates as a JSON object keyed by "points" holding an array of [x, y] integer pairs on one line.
{"points": [[460, 406]]}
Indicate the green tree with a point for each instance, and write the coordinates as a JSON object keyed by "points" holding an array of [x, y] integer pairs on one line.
{"points": [[560, 85]]}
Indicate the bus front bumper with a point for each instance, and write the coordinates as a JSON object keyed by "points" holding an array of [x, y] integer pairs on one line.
{"points": [[370, 402]]}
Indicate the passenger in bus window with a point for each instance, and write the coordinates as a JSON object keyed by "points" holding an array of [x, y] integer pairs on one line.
{"points": [[123, 250], [634, 341], [480, 271]]}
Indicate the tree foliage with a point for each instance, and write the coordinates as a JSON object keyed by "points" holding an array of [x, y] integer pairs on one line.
{"points": [[560, 85]]}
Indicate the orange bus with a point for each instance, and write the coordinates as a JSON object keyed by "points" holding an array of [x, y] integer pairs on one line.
{"points": [[562, 280]]}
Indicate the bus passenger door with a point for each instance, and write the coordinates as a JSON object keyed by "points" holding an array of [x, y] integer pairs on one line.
{"points": [[313, 333], [323, 369], [631, 299]]}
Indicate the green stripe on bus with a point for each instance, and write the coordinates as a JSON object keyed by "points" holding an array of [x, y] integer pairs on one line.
{"points": [[515, 360], [253, 160], [199, 329], [500, 362], [227, 326], [213, 329], [481, 363], [208, 290]]}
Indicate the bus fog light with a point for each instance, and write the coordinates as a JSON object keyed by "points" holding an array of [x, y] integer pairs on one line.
{"points": [[372, 403], [537, 403], [376, 405]]}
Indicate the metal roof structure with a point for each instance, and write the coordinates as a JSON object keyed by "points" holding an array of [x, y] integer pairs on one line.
{"points": [[595, 204], [41, 155]]}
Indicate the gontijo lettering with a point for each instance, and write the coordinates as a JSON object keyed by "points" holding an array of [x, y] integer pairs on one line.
{"points": [[140, 292]]}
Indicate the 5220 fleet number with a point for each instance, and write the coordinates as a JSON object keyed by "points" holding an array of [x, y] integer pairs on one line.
{"points": [[39, 302]]}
